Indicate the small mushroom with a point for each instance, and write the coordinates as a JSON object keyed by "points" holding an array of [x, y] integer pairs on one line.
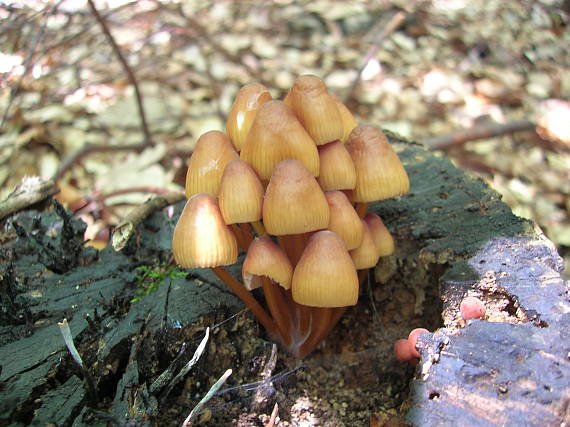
{"points": [[275, 135], [212, 153], [245, 106], [472, 308], [325, 275]]}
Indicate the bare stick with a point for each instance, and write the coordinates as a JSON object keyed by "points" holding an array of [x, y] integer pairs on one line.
{"points": [[31, 191], [197, 354], [392, 26], [88, 379], [198, 408], [126, 228], [127, 69], [483, 131]]}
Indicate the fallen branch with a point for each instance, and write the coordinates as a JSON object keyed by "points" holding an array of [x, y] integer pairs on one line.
{"points": [[125, 229], [31, 191], [392, 26], [128, 71], [483, 131]]}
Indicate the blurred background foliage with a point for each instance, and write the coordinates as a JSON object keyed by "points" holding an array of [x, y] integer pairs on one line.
{"points": [[424, 69]]}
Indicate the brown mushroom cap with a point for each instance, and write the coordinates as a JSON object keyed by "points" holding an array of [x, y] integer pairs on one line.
{"points": [[316, 109], [325, 275], [348, 120], [240, 194], [265, 258], [382, 237], [275, 135], [337, 171], [366, 255], [245, 106], [344, 220], [294, 203], [212, 153], [379, 172], [201, 238]]}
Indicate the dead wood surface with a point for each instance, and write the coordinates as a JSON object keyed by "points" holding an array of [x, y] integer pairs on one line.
{"points": [[511, 369]]}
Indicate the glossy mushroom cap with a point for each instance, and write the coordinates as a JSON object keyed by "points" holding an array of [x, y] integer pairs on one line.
{"points": [[382, 237], [344, 220], [247, 102], [241, 193], [366, 255], [325, 275], [265, 258], [337, 171], [379, 172], [275, 135], [316, 109], [348, 120], [201, 238], [212, 153], [294, 203]]}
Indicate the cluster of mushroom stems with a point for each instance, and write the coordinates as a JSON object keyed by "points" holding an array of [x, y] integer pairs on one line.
{"points": [[289, 184]]}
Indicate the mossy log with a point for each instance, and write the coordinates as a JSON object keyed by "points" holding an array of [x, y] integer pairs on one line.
{"points": [[511, 369]]}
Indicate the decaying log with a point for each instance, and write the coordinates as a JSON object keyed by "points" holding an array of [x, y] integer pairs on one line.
{"points": [[510, 369]]}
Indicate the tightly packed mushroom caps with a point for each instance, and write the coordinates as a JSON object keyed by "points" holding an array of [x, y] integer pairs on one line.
{"points": [[289, 184]]}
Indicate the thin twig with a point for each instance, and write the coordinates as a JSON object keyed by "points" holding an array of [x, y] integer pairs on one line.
{"points": [[482, 131], [392, 26], [197, 354], [125, 229], [31, 191], [88, 379], [128, 71], [198, 408], [274, 415]]}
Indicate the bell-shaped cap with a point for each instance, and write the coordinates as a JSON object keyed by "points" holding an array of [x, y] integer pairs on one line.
{"points": [[241, 193], [366, 255], [265, 258], [380, 234], [294, 203], [316, 109], [337, 170], [275, 135], [212, 153], [344, 220], [247, 102], [379, 172], [201, 238], [325, 275], [348, 120]]}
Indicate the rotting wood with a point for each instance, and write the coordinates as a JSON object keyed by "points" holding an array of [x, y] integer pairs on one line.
{"points": [[484, 373]]}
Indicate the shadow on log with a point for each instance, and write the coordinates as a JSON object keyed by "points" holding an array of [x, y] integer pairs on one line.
{"points": [[455, 239]]}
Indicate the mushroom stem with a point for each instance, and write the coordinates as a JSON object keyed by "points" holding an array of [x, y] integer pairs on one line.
{"points": [[361, 209], [275, 298], [246, 234], [239, 236], [243, 294], [321, 318], [259, 228], [293, 245]]}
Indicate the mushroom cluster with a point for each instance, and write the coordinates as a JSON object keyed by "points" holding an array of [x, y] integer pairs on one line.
{"points": [[289, 183]]}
